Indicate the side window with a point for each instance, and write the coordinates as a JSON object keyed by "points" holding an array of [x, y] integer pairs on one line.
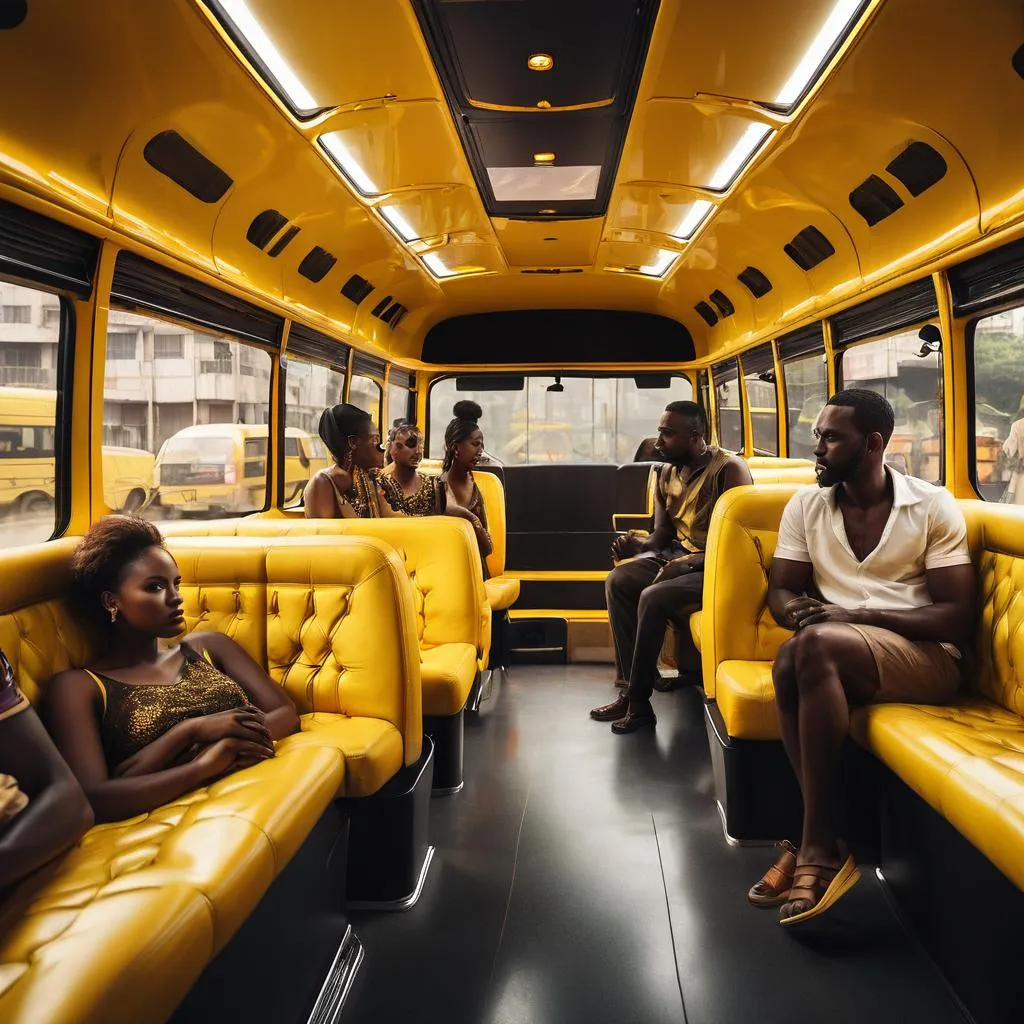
{"points": [[366, 393], [806, 381], [759, 381], [729, 413], [999, 406], [184, 420], [29, 357], [909, 374], [309, 389], [398, 403]]}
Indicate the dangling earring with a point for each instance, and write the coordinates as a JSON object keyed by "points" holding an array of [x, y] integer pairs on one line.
{"points": [[113, 615], [348, 461]]}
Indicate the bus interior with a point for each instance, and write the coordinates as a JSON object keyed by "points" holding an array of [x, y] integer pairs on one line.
{"points": [[219, 218]]}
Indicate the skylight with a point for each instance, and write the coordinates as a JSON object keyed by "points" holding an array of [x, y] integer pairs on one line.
{"points": [[395, 218], [661, 264], [544, 184]]}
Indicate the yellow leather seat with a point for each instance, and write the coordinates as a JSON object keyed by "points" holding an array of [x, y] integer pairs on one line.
{"points": [[445, 670], [746, 698], [695, 620], [502, 590]]}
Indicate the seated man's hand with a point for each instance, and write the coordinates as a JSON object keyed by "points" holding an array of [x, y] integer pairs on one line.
{"points": [[807, 611], [680, 567], [12, 800], [627, 545]]}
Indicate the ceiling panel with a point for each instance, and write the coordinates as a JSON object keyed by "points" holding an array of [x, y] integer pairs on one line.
{"points": [[567, 243]]}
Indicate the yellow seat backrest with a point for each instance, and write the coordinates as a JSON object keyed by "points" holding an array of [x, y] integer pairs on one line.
{"points": [[736, 623], [493, 494], [771, 470]]}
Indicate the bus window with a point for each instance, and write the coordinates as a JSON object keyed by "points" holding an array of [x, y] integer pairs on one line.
{"points": [[184, 420], [309, 389], [903, 369], [806, 381], [729, 413], [29, 348], [570, 419], [366, 393], [399, 402], [758, 368], [999, 406]]}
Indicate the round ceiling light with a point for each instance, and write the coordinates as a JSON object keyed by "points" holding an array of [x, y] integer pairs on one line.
{"points": [[540, 62], [543, 158]]}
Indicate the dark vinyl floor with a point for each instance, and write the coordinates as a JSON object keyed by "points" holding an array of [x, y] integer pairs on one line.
{"points": [[583, 877]]}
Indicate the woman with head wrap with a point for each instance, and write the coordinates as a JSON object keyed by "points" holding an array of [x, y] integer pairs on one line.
{"points": [[463, 447], [348, 489]]}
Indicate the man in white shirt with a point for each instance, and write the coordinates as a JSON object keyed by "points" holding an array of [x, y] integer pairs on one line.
{"points": [[873, 574]]}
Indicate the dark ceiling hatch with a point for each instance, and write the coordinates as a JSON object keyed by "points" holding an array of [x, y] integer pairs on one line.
{"points": [[560, 336], [540, 140]]}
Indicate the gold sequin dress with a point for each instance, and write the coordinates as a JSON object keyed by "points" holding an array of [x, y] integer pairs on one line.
{"points": [[134, 715], [425, 502]]}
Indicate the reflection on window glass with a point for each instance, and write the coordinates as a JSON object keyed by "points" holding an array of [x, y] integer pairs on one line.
{"points": [[365, 392], [806, 393], [730, 416], [184, 420], [29, 341], [895, 368], [309, 389], [590, 419], [764, 414], [999, 406], [398, 404]]}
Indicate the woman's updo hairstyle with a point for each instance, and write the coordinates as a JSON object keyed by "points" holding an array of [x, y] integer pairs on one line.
{"points": [[467, 419], [103, 557]]}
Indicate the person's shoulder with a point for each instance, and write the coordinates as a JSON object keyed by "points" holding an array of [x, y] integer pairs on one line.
{"points": [[806, 496], [72, 682], [939, 501]]}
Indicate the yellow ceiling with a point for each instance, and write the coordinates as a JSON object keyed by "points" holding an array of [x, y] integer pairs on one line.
{"points": [[936, 71]]}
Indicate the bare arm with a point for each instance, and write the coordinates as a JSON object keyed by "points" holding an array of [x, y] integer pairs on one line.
{"points": [[279, 712], [57, 814], [320, 501], [736, 474], [787, 591]]}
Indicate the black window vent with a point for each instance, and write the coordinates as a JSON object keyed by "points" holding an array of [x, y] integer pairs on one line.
{"points": [[306, 343], [401, 378], [356, 288], [758, 360], [389, 314], [875, 200], [381, 306], [991, 278], [46, 252], [282, 243], [180, 161], [809, 248], [316, 264], [366, 365], [12, 13], [722, 303], [903, 307], [756, 283], [264, 226], [720, 372], [918, 167], [806, 341], [141, 285], [1018, 62], [400, 316], [707, 314]]}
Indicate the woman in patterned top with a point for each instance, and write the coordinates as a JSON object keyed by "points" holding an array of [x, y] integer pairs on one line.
{"points": [[403, 486], [43, 810], [146, 723]]}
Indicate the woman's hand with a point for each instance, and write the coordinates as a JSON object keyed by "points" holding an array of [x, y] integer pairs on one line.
{"points": [[12, 800], [230, 755], [245, 723]]}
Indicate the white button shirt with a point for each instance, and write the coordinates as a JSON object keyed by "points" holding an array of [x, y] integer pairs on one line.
{"points": [[925, 530]]}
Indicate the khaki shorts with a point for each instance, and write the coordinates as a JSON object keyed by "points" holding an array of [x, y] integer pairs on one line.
{"points": [[911, 671]]}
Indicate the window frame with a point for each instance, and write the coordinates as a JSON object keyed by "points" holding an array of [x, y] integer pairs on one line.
{"points": [[840, 352], [822, 357], [549, 374], [354, 376], [742, 390], [754, 373]]}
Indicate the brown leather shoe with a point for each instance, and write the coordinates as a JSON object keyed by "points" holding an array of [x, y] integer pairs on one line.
{"points": [[775, 883], [634, 720], [611, 712]]}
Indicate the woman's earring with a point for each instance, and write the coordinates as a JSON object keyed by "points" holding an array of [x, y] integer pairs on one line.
{"points": [[113, 615]]}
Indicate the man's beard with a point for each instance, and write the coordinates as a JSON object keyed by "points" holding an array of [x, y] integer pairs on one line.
{"points": [[832, 475]]}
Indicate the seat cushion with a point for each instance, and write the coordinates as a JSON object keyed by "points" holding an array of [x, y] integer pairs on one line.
{"points": [[372, 748], [746, 699], [447, 671], [695, 629], [121, 926], [966, 760], [502, 592]]}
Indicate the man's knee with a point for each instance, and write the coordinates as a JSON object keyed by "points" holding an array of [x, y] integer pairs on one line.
{"points": [[816, 651], [784, 675]]}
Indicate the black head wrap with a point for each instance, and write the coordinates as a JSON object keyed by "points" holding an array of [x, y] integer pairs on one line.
{"points": [[338, 424]]}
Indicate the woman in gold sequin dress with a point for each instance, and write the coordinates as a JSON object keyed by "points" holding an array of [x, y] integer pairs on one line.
{"points": [[145, 722]]}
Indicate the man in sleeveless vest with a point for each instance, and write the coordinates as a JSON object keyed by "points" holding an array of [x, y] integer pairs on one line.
{"points": [[661, 577]]}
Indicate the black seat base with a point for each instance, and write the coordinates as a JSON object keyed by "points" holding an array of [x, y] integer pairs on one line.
{"points": [[448, 734]]}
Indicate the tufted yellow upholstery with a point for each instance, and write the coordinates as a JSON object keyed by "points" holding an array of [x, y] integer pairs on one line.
{"points": [[443, 564], [311, 618], [965, 759]]}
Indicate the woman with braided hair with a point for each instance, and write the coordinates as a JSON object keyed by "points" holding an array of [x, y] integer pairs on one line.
{"points": [[463, 447]]}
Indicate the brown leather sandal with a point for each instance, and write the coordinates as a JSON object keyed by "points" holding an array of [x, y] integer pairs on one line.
{"points": [[774, 885], [821, 885]]}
